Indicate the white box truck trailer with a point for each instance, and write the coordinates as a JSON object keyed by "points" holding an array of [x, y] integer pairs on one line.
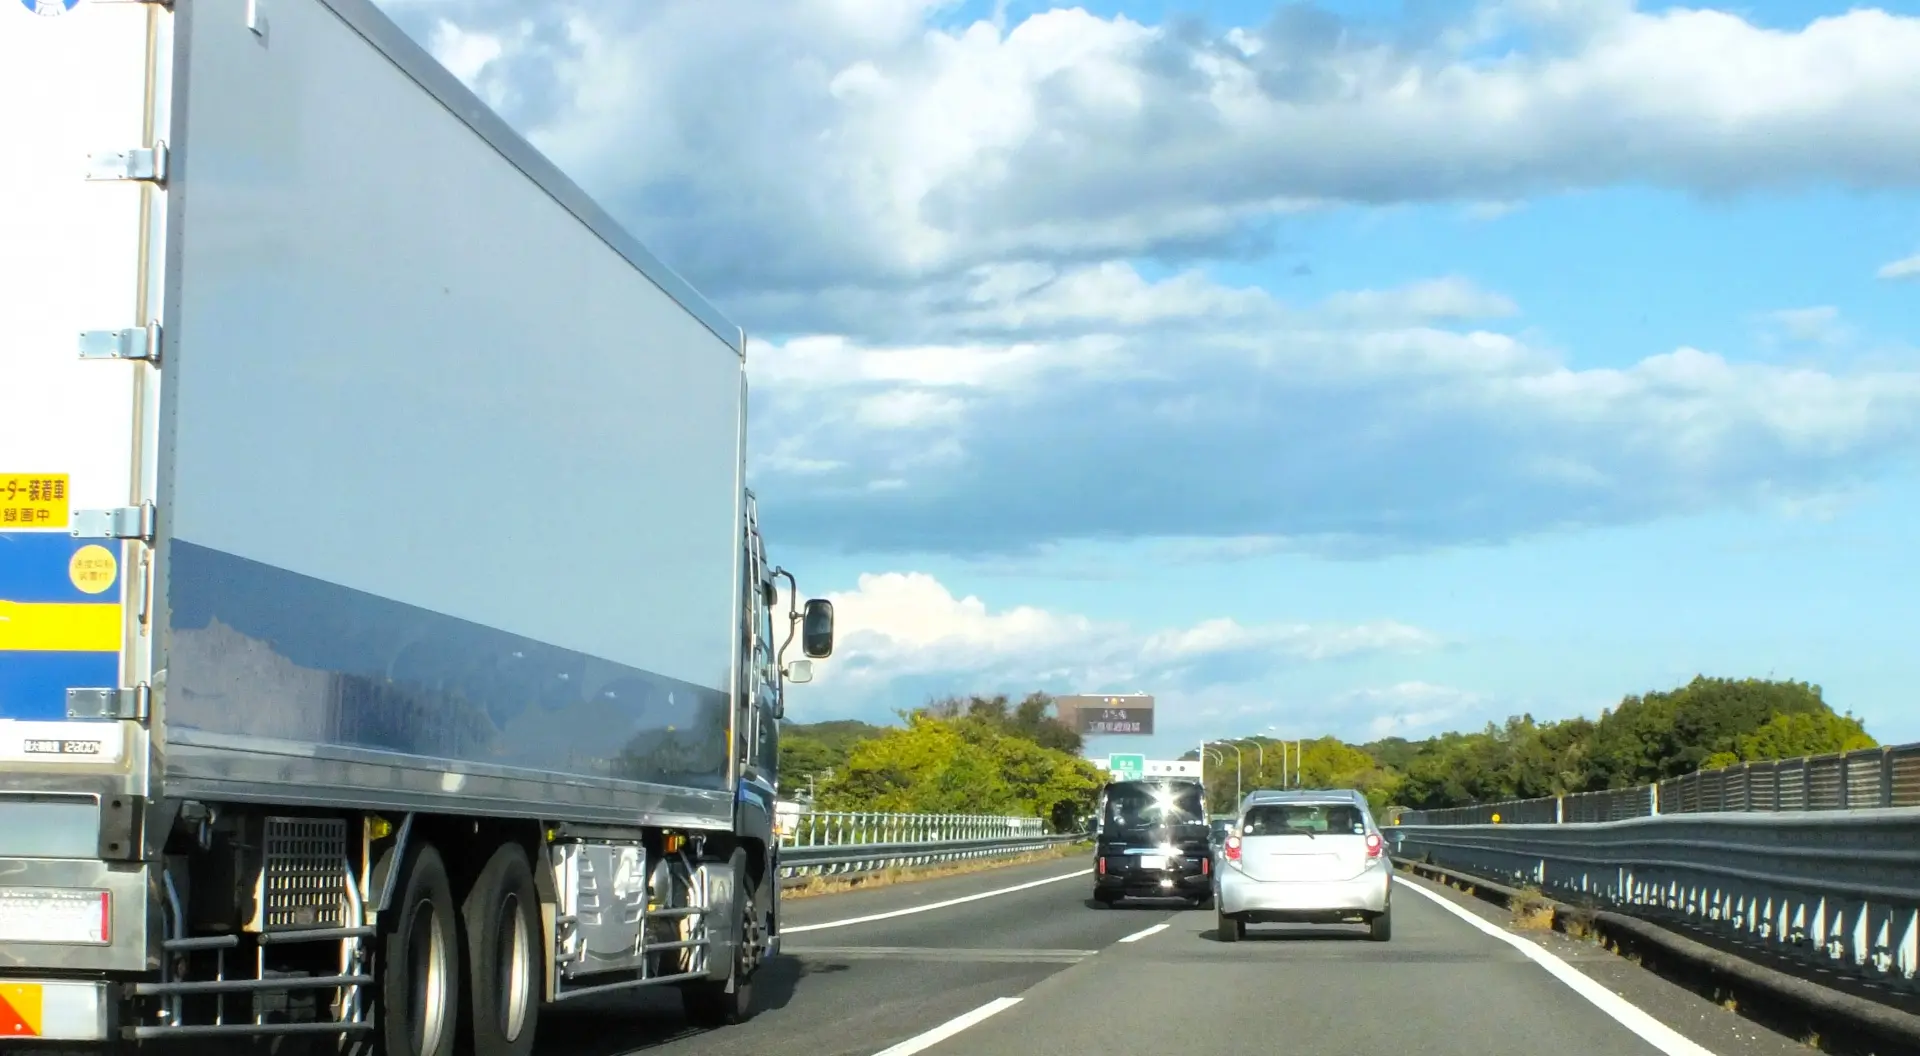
{"points": [[387, 644]]}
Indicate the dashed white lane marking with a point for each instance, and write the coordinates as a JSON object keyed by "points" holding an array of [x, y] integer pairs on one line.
{"points": [[910, 910], [1144, 932], [951, 1027], [1625, 1013]]}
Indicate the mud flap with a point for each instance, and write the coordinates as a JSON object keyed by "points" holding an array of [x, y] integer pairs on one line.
{"points": [[721, 883]]}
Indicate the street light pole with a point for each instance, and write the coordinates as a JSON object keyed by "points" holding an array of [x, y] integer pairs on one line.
{"points": [[1217, 754], [1239, 783]]}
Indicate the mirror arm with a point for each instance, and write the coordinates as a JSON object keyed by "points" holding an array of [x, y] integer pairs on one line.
{"points": [[793, 618]]}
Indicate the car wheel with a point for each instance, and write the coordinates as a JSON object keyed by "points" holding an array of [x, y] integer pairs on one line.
{"points": [[1228, 929], [1204, 901], [1380, 928]]}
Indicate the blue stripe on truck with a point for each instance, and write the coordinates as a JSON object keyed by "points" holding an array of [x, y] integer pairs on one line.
{"points": [[34, 685], [53, 640], [37, 567], [261, 651]]}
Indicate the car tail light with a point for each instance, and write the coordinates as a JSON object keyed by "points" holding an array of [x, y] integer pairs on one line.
{"points": [[1103, 867], [1233, 848], [1374, 846]]}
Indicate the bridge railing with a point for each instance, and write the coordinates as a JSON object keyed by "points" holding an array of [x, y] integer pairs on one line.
{"points": [[1867, 778], [1838, 892], [833, 843]]}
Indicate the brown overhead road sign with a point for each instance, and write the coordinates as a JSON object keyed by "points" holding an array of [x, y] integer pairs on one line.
{"points": [[1106, 715]]}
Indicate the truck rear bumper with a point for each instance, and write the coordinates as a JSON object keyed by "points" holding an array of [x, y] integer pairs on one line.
{"points": [[55, 1009], [76, 915]]}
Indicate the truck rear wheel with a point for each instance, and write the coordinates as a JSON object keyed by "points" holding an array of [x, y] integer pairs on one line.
{"points": [[419, 983], [506, 975]]}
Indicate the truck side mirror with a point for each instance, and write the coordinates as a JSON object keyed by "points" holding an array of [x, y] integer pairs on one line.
{"points": [[816, 629], [800, 672]]}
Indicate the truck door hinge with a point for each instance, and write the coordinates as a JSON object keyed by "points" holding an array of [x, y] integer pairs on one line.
{"points": [[130, 702], [146, 164], [125, 522], [141, 342]]}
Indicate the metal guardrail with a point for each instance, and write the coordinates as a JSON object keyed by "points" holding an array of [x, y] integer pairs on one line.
{"points": [[833, 843], [817, 827], [1835, 892], [1867, 778], [854, 858]]}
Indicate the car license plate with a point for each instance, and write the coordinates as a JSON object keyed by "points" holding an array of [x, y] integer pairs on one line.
{"points": [[54, 916], [1153, 861]]}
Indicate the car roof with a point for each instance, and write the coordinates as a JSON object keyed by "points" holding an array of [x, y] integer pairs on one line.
{"points": [[1158, 781], [1304, 795]]}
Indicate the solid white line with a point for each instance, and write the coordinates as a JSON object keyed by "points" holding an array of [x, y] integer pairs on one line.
{"points": [[948, 1029], [1138, 935], [1627, 1014], [932, 905]]}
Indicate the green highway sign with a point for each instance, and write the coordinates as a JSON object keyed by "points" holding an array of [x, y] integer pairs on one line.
{"points": [[1131, 767]]}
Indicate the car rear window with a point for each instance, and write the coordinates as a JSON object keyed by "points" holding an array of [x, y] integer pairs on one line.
{"points": [[1133, 805], [1280, 819]]}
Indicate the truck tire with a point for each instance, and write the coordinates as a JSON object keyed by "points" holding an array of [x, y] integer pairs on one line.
{"points": [[711, 1003], [419, 962], [506, 975]]}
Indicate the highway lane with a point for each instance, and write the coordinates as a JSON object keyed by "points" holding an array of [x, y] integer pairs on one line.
{"points": [[938, 951], [853, 990], [1442, 987]]}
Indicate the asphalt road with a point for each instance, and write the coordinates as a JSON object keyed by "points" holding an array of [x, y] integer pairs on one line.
{"points": [[1040, 971]]}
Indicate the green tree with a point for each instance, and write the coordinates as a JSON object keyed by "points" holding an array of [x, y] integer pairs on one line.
{"points": [[965, 765], [1667, 734], [1031, 719], [1795, 735], [809, 752]]}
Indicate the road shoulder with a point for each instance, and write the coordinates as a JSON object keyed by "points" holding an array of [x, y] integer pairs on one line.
{"points": [[1712, 1026]]}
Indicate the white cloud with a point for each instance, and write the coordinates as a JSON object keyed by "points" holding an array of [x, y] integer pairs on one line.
{"points": [[904, 636], [868, 142], [1445, 299], [1905, 268], [1818, 325], [936, 221], [1361, 423], [1407, 709]]}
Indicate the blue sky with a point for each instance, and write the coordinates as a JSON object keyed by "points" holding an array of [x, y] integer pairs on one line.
{"points": [[1317, 368]]}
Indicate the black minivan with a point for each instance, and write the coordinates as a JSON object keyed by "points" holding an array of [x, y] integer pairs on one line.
{"points": [[1153, 842]]}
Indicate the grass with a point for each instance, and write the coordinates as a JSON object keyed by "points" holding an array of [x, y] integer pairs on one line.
{"points": [[815, 886]]}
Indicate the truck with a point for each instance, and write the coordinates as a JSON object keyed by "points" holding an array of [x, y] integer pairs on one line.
{"points": [[387, 638]]}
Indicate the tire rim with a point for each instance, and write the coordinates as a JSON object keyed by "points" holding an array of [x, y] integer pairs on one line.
{"points": [[511, 945], [427, 980]]}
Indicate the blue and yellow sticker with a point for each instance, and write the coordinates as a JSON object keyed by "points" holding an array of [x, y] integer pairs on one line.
{"points": [[59, 621], [50, 7]]}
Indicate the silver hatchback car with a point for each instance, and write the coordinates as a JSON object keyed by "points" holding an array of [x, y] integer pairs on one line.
{"points": [[1304, 857]]}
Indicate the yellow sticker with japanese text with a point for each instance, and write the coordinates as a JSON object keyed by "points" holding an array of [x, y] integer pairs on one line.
{"points": [[33, 500]]}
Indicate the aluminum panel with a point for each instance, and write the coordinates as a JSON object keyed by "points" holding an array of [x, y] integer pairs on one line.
{"points": [[401, 367], [284, 688]]}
